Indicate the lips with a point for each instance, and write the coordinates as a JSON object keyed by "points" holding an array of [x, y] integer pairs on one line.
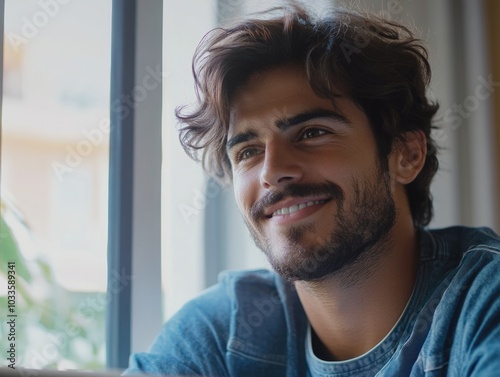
{"points": [[290, 206], [296, 199], [295, 208]]}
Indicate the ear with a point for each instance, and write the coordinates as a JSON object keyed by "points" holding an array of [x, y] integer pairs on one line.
{"points": [[408, 157]]}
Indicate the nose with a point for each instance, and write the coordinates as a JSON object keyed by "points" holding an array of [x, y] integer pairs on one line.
{"points": [[281, 166]]}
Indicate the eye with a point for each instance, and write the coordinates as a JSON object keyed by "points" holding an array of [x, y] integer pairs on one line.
{"points": [[310, 133], [246, 154]]}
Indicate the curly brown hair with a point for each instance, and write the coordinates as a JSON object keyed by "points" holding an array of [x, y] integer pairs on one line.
{"points": [[378, 63]]}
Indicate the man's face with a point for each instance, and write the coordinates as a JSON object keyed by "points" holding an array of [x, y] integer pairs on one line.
{"points": [[307, 177]]}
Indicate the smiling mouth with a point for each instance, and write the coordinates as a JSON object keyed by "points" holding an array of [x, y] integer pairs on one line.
{"points": [[297, 207]]}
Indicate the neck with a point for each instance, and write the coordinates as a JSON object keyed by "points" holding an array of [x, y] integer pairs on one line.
{"points": [[351, 312]]}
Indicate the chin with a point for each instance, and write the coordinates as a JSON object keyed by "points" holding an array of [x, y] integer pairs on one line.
{"points": [[300, 261]]}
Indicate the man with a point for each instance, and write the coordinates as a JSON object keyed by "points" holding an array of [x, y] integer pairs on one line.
{"points": [[324, 128]]}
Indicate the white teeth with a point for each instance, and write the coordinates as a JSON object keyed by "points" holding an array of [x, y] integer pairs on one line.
{"points": [[295, 208]]}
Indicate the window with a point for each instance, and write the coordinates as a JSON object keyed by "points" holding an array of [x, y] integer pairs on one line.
{"points": [[54, 178]]}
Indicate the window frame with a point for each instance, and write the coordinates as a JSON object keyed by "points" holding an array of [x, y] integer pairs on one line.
{"points": [[134, 230]]}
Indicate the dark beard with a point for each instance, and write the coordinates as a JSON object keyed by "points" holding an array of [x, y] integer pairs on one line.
{"points": [[358, 238]]}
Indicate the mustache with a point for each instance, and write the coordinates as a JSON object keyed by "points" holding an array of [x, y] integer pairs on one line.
{"points": [[294, 190]]}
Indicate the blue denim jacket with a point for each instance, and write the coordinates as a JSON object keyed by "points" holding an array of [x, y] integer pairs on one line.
{"points": [[252, 323]]}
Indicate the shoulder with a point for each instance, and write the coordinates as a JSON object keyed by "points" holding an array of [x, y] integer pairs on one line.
{"points": [[215, 307], [464, 309], [475, 253], [461, 242], [465, 238], [233, 316]]}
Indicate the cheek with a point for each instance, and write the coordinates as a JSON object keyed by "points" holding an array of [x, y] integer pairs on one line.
{"points": [[241, 194], [337, 169], [245, 191]]}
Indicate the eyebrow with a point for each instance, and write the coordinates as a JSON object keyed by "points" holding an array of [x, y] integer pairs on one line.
{"points": [[286, 123], [240, 138]]}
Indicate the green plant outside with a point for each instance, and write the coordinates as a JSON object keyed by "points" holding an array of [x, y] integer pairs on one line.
{"points": [[55, 328]]}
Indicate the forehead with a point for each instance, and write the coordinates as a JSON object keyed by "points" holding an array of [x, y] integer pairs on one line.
{"points": [[276, 93]]}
